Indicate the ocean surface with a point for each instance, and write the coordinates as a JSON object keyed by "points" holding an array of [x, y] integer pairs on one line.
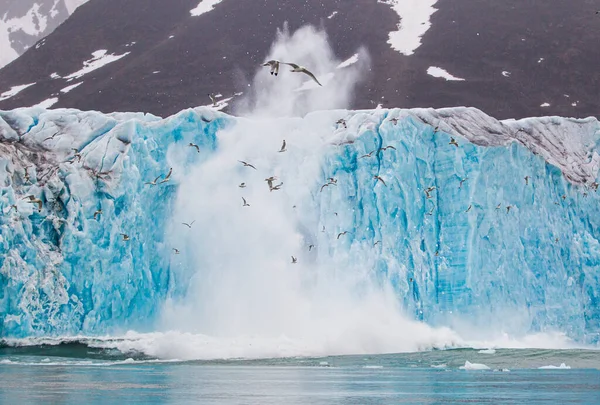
{"points": [[75, 373]]}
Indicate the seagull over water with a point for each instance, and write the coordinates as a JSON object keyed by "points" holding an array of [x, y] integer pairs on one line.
{"points": [[33, 200], [342, 234], [125, 237], [246, 164], [301, 69], [188, 225], [294, 260], [274, 64], [168, 176], [193, 145], [245, 203], [213, 100], [97, 213]]}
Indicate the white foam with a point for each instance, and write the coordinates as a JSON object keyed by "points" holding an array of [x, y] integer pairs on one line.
{"points": [[562, 366], [204, 7], [441, 73], [373, 367], [414, 23], [350, 61], [488, 351], [474, 366], [438, 366]]}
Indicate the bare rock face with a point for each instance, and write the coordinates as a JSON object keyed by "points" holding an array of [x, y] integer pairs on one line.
{"points": [[509, 59], [25, 22]]}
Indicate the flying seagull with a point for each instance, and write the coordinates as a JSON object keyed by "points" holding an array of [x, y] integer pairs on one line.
{"points": [[34, 200], [294, 260], [394, 121], [367, 155], [246, 164], [277, 187], [526, 180], [274, 64], [153, 183], [188, 225], [125, 237], [332, 180], [283, 149], [270, 181], [386, 148], [97, 213], [324, 185], [462, 181], [380, 179], [468, 209], [242, 185], [341, 234], [168, 176], [193, 145], [301, 69], [176, 251], [245, 203], [26, 176], [376, 243], [508, 208], [453, 142], [310, 247], [212, 99]]}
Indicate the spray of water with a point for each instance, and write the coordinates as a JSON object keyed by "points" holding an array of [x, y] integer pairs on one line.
{"points": [[245, 297]]}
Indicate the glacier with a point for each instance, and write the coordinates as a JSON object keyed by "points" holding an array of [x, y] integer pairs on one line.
{"points": [[498, 232]]}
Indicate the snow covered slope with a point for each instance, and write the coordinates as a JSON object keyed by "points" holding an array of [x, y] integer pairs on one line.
{"points": [[480, 225], [25, 22]]}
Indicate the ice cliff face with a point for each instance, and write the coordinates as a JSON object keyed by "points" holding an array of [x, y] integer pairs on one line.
{"points": [[471, 220]]}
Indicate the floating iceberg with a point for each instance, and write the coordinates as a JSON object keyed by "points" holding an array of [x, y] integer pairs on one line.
{"points": [[469, 219]]}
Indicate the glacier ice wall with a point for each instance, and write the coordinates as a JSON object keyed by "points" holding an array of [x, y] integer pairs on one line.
{"points": [[498, 231]]}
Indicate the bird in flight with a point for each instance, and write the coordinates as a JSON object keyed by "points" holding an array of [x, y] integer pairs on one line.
{"points": [[125, 237], [168, 176], [310, 247], [294, 260], [429, 190], [380, 179], [342, 234], [453, 142], [301, 69], [386, 148], [526, 180], [394, 121], [283, 149], [332, 180], [508, 208], [176, 251], [33, 200], [376, 243], [325, 185], [188, 225], [274, 65], [246, 164], [193, 145], [242, 185], [245, 203], [342, 121], [26, 176], [153, 183], [468, 209], [462, 181], [367, 155], [212, 99], [97, 213], [277, 187]]}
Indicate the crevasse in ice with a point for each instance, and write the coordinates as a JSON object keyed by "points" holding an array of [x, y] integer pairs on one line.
{"points": [[499, 228]]}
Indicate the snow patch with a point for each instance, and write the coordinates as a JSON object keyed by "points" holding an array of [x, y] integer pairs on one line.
{"points": [[545, 105], [414, 23], [46, 104], [442, 73], [71, 87], [204, 7], [55, 76], [330, 16], [99, 58], [14, 91]]}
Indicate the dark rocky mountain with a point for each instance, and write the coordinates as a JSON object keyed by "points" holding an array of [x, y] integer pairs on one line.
{"points": [[25, 22], [516, 58]]}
